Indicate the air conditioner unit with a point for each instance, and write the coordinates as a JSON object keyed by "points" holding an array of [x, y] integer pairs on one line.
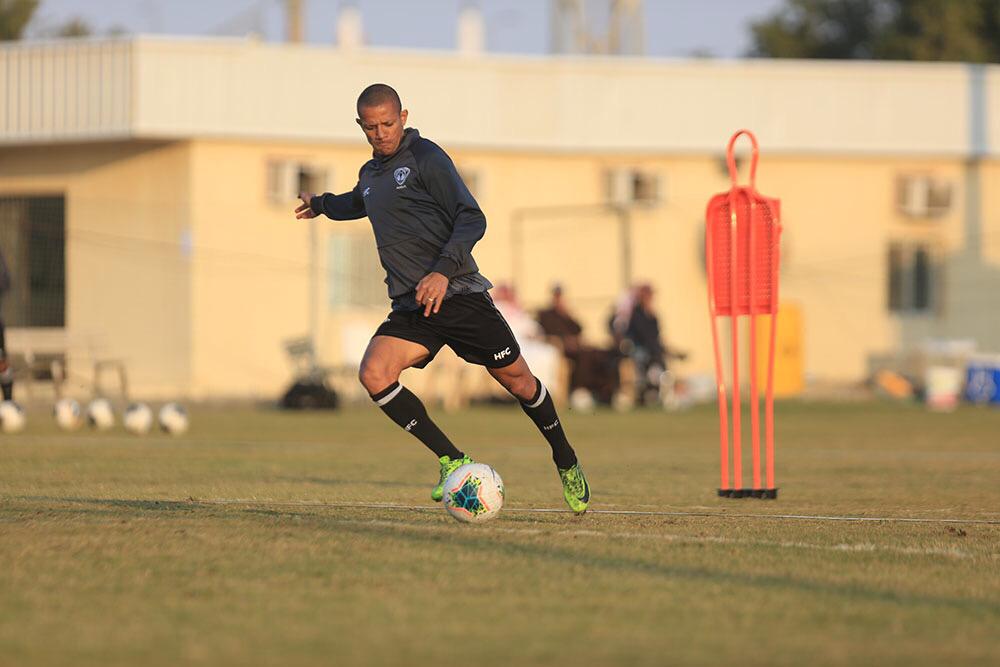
{"points": [[723, 164], [631, 187], [287, 178], [923, 196], [282, 181]]}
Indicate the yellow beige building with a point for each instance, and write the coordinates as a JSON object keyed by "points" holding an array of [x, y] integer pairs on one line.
{"points": [[147, 184]]}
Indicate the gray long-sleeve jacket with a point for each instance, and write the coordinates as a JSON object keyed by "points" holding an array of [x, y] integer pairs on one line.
{"points": [[424, 218]]}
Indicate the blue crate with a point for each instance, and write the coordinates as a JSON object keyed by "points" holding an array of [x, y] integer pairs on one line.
{"points": [[982, 380]]}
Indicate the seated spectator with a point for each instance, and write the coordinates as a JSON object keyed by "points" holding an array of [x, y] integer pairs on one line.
{"points": [[591, 368], [542, 356], [643, 343], [621, 313], [558, 323]]}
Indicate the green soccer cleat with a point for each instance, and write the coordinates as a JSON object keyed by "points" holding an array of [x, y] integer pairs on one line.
{"points": [[447, 467], [575, 488]]}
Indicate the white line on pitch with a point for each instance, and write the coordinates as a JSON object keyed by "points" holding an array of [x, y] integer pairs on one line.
{"points": [[863, 547], [546, 510]]}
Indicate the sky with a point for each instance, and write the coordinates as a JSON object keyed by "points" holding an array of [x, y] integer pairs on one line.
{"points": [[674, 28]]}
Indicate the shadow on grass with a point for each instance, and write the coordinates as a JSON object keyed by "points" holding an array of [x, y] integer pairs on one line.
{"points": [[618, 565], [326, 481], [484, 541], [186, 506]]}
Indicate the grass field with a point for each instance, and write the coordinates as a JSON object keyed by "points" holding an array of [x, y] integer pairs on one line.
{"points": [[114, 550]]}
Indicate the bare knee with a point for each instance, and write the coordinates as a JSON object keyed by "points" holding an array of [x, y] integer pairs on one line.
{"points": [[375, 377], [524, 387], [521, 384]]}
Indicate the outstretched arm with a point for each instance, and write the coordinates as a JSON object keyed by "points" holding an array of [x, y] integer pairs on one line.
{"points": [[348, 206]]}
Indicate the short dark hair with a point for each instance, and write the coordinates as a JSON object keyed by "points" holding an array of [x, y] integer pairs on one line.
{"points": [[376, 94]]}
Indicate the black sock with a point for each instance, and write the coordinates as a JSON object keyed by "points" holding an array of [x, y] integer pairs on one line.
{"points": [[543, 412], [404, 408], [7, 384]]}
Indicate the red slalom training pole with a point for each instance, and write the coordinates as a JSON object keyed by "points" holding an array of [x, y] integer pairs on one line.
{"points": [[742, 248]]}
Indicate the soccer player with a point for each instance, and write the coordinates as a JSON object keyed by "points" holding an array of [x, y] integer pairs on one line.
{"points": [[426, 222]]}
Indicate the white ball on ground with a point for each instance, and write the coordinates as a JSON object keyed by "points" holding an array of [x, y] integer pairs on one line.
{"points": [[12, 417], [67, 413], [581, 400], [174, 419], [100, 414], [622, 402], [473, 493], [138, 418]]}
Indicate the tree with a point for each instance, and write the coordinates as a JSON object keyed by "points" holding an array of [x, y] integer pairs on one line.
{"points": [[75, 27], [822, 29], [968, 30], [14, 17], [935, 30]]}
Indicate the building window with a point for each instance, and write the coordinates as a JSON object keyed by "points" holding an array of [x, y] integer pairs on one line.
{"points": [[914, 278], [33, 243], [355, 277], [287, 178]]}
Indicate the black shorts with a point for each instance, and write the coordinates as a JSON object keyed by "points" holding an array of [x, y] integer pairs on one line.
{"points": [[469, 324]]}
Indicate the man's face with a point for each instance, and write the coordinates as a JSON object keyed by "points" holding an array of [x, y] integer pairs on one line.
{"points": [[383, 127], [646, 297]]}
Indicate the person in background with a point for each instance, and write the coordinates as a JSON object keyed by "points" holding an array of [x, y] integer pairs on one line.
{"points": [[541, 354], [557, 322], [520, 322], [6, 375], [621, 313], [591, 368], [644, 344]]}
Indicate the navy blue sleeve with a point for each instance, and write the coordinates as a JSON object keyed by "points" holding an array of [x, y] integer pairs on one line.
{"points": [[441, 179], [348, 206]]}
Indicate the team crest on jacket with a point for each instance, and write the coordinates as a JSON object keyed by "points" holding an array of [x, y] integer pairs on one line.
{"points": [[400, 175]]}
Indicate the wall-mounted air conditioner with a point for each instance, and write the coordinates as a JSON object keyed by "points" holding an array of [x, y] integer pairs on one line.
{"points": [[632, 187], [923, 196]]}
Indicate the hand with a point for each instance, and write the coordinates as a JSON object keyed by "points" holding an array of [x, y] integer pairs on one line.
{"points": [[305, 211], [431, 291]]}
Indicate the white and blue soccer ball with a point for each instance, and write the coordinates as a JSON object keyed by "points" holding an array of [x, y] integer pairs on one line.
{"points": [[67, 413], [473, 493], [100, 414], [174, 419], [12, 417], [138, 418]]}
